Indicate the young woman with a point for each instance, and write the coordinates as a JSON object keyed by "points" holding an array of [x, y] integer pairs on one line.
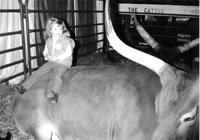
{"points": [[58, 52]]}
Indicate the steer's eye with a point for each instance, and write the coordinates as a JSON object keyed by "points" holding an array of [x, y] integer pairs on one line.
{"points": [[190, 116], [188, 119]]}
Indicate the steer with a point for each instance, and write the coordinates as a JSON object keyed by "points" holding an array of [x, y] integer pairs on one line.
{"points": [[155, 102]]}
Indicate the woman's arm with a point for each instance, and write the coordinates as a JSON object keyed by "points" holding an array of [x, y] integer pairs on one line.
{"points": [[68, 51], [45, 52]]}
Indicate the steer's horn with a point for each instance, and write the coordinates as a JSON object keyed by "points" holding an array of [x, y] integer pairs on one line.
{"points": [[189, 45], [151, 62], [157, 46], [146, 36]]}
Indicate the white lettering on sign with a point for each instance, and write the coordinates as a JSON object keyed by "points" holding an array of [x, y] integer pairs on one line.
{"points": [[159, 9]]}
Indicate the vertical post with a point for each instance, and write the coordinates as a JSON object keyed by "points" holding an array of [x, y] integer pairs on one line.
{"points": [[22, 16], [26, 20], [173, 29], [105, 42], [74, 23], [74, 16]]}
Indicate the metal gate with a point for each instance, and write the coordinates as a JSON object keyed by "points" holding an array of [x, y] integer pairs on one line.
{"points": [[33, 15], [13, 49]]}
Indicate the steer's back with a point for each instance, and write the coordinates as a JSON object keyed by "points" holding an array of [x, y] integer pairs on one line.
{"points": [[95, 103]]}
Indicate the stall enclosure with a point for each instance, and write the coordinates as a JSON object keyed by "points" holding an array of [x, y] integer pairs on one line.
{"points": [[22, 32], [170, 23]]}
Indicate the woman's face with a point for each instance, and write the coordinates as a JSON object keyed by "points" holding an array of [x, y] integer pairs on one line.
{"points": [[56, 30]]}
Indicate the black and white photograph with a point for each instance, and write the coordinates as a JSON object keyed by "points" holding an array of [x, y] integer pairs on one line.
{"points": [[99, 69]]}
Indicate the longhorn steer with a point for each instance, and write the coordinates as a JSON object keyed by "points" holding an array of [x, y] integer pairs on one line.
{"points": [[112, 103]]}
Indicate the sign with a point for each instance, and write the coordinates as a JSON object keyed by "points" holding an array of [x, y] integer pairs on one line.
{"points": [[159, 9]]}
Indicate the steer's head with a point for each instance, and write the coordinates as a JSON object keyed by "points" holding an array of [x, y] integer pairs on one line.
{"points": [[177, 102], [177, 109]]}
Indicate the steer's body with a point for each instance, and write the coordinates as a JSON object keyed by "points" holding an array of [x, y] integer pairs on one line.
{"points": [[96, 103]]}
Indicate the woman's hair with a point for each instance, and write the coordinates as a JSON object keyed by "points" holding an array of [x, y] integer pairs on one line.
{"points": [[50, 22]]}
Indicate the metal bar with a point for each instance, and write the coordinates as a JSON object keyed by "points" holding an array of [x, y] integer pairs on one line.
{"points": [[28, 37], [23, 38], [63, 11], [97, 24], [195, 3], [11, 50], [36, 57], [105, 41], [9, 10], [11, 64], [36, 30], [91, 43], [100, 33], [10, 33], [74, 23], [12, 77], [37, 44]]}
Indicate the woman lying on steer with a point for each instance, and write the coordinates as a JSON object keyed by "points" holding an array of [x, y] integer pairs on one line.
{"points": [[58, 51]]}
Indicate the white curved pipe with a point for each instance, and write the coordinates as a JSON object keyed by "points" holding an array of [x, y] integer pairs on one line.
{"points": [[151, 62]]}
